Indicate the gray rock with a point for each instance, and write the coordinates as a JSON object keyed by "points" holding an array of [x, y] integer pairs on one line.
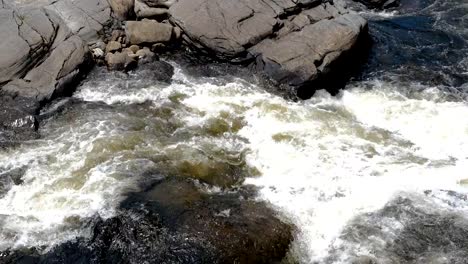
{"points": [[85, 18], [51, 77], [299, 57], [147, 31], [145, 55], [123, 9], [120, 61], [159, 3], [113, 46], [142, 10], [293, 42]]}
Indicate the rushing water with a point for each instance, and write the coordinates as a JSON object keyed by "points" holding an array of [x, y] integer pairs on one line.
{"points": [[329, 165]]}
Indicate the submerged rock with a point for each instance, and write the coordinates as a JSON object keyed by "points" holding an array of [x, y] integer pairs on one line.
{"points": [[409, 229], [174, 222], [293, 43]]}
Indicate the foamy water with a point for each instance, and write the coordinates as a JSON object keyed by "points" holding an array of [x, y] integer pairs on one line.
{"points": [[321, 162]]}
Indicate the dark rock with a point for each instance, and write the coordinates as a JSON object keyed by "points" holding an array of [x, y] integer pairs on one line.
{"points": [[123, 9], [9, 178], [147, 31], [380, 4], [17, 119], [409, 229], [157, 70], [293, 43], [174, 222]]}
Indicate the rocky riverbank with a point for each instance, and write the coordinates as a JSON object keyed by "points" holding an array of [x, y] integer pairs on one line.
{"points": [[49, 46]]}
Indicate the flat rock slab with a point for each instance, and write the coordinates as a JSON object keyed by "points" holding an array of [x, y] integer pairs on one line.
{"points": [[293, 42], [147, 31]]}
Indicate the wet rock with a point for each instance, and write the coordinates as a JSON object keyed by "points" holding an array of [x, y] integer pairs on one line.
{"points": [[142, 10], [123, 9], [296, 44], [9, 178], [157, 70], [120, 61], [174, 222], [113, 46], [409, 229], [147, 31], [17, 119]]}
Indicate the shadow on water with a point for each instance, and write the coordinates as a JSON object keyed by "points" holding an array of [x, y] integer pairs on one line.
{"points": [[426, 42]]}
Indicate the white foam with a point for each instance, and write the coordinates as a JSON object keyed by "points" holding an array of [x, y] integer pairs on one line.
{"points": [[322, 161]]}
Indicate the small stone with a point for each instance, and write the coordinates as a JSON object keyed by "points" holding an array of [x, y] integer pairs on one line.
{"points": [[145, 55], [116, 34], [158, 47], [113, 46], [134, 48], [98, 53], [120, 61]]}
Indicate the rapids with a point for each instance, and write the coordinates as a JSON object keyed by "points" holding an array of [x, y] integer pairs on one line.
{"points": [[330, 165]]}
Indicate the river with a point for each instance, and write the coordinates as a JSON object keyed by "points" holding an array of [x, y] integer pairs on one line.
{"points": [[352, 172]]}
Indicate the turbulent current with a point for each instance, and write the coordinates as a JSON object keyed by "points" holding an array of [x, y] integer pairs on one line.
{"points": [[351, 172]]}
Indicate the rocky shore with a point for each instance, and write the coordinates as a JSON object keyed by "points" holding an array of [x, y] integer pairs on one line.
{"points": [[49, 47]]}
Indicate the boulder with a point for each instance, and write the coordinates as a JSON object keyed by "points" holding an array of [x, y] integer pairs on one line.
{"points": [[120, 61], [294, 43], [159, 3], [174, 222], [40, 56], [85, 18], [142, 10], [147, 31], [123, 9], [113, 46]]}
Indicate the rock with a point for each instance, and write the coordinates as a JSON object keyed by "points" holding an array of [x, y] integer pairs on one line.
{"points": [[158, 47], [174, 222], [84, 18], [142, 10], [134, 48], [157, 71], [113, 46], [293, 43], [145, 55], [177, 32], [380, 4], [123, 9], [295, 63], [18, 120], [98, 53], [116, 35], [120, 61], [9, 178], [148, 31], [159, 3]]}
